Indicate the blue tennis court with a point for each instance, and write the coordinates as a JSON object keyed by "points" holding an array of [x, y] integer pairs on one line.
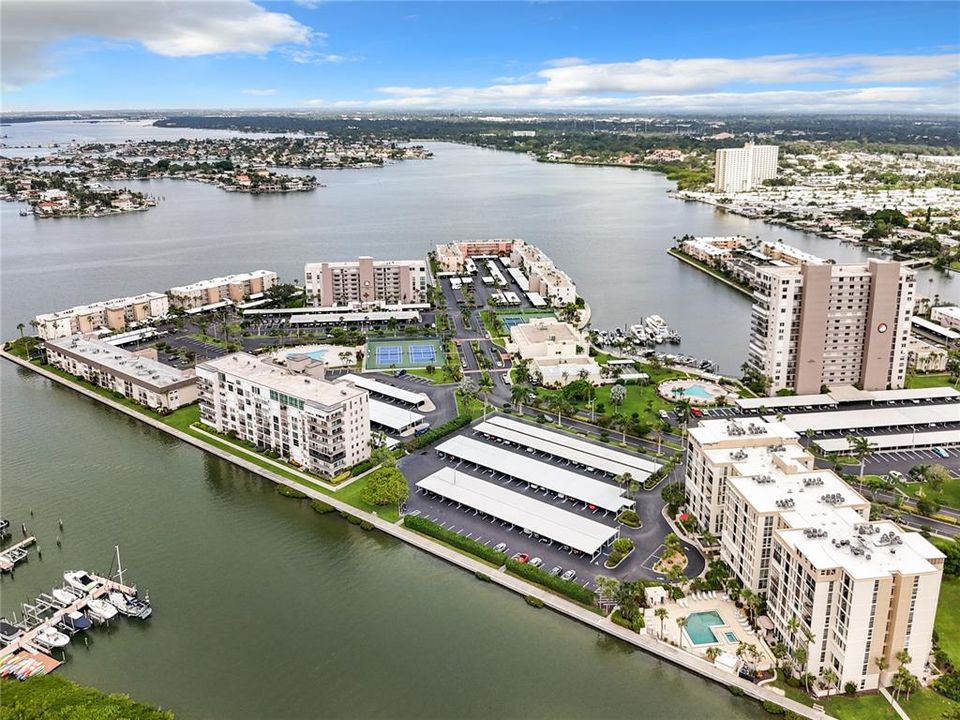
{"points": [[511, 320], [389, 354], [422, 353]]}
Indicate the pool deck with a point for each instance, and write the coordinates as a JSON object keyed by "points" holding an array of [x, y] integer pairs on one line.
{"points": [[728, 612]]}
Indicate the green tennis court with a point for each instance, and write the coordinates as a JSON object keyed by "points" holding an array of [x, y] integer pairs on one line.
{"points": [[394, 353]]}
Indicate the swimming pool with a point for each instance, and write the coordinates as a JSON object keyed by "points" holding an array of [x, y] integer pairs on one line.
{"points": [[730, 636], [697, 391], [314, 354], [699, 627]]}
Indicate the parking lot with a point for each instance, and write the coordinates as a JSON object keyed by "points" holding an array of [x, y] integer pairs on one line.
{"points": [[490, 531], [902, 460]]}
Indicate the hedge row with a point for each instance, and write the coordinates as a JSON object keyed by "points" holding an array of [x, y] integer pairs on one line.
{"points": [[434, 434], [428, 527], [571, 589]]}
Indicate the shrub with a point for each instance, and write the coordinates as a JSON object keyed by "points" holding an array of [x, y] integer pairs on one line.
{"points": [[290, 492], [321, 507], [948, 686], [533, 601], [735, 690], [623, 545], [482, 577], [428, 527], [366, 525], [773, 708], [850, 688], [352, 519], [630, 518], [571, 589], [434, 434]]}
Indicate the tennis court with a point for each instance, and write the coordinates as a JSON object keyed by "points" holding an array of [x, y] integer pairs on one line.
{"points": [[398, 353], [509, 319]]}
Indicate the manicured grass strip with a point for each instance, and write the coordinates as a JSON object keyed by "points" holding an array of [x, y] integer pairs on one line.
{"points": [[456, 540], [434, 434]]}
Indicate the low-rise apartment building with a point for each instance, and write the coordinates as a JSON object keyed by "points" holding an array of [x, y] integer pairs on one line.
{"points": [[544, 278], [926, 357], [946, 315], [557, 351], [321, 426], [840, 589], [819, 324], [229, 289], [365, 281], [105, 316], [135, 376]]}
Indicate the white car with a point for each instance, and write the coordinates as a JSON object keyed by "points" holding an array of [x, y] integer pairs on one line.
{"points": [[536, 562]]}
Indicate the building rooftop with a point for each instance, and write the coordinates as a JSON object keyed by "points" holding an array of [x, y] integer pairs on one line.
{"points": [[218, 281], [114, 303], [141, 369], [303, 387], [546, 330], [722, 430]]}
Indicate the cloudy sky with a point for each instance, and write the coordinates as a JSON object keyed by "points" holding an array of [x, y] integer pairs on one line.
{"points": [[679, 56]]}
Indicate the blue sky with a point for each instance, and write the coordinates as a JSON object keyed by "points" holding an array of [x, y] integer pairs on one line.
{"points": [[643, 57]]}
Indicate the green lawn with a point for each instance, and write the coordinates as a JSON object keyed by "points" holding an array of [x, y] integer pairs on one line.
{"points": [[949, 495], [948, 618], [861, 707], [927, 705], [928, 381]]}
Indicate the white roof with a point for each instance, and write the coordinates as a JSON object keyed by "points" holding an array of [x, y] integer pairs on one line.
{"points": [[784, 401], [520, 278], [563, 445], [916, 393], [559, 480], [874, 417], [898, 440], [935, 328], [393, 417], [353, 316], [536, 299], [382, 388], [333, 309], [208, 308], [141, 370], [561, 526]]}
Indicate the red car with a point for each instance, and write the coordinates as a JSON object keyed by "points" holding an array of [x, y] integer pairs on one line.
{"points": [[521, 558], [696, 412]]}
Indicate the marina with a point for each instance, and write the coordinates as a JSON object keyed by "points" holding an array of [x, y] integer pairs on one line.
{"points": [[11, 556], [48, 624]]}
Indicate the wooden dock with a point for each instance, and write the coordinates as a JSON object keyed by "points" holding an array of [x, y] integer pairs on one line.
{"points": [[6, 562], [24, 643]]}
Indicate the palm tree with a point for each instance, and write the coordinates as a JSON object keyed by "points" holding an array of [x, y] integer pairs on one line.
{"points": [[562, 406], [713, 653], [830, 679], [20, 327], [860, 448], [681, 624], [661, 613], [518, 393], [619, 421], [486, 385], [882, 663]]}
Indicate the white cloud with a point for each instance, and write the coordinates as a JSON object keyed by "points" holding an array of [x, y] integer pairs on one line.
{"points": [[32, 29], [904, 83], [259, 92], [313, 57]]}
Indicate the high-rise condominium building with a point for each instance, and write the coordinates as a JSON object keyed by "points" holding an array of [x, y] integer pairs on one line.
{"points": [[741, 169], [366, 281], [322, 426], [845, 590], [822, 324]]}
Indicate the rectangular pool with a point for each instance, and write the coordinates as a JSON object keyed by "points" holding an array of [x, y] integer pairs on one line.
{"points": [[699, 627]]}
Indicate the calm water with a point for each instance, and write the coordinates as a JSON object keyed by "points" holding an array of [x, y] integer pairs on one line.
{"points": [[263, 608], [608, 227]]}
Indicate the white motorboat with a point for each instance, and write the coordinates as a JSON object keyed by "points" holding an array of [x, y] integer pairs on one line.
{"points": [[130, 605], [81, 580], [100, 609], [51, 638], [64, 596]]}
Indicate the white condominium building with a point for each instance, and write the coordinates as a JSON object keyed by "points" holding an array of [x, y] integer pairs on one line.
{"points": [[742, 169], [452, 257], [137, 377], [366, 281], [108, 315], [716, 447], [229, 289], [322, 426], [946, 315], [845, 589], [821, 324]]}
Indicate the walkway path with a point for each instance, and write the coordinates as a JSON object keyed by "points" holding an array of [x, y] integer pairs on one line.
{"points": [[646, 642]]}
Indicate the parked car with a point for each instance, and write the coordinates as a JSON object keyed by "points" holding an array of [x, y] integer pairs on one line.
{"points": [[536, 562], [569, 575], [399, 373], [556, 570], [895, 475], [521, 558], [696, 412], [941, 452], [502, 547], [664, 415]]}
